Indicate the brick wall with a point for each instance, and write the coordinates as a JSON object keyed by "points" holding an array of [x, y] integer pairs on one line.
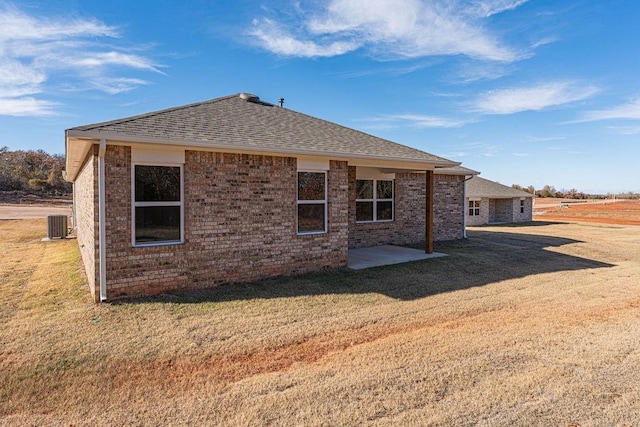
{"points": [[240, 222], [503, 210], [483, 218], [408, 226], [86, 215], [528, 210], [448, 223], [240, 225]]}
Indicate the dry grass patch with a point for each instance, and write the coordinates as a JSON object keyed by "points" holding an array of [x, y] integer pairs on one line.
{"points": [[529, 325]]}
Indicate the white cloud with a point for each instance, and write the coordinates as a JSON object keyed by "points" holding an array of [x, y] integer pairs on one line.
{"points": [[18, 80], [479, 145], [118, 85], [473, 71], [533, 98], [424, 121], [455, 154], [488, 8], [17, 25], [414, 120], [277, 40], [629, 111], [391, 70], [626, 130], [36, 51], [533, 138], [104, 59], [26, 106], [390, 29], [544, 41], [475, 149], [520, 154]]}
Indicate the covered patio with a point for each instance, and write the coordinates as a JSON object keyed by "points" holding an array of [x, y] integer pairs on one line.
{"points": [[377, 256]]}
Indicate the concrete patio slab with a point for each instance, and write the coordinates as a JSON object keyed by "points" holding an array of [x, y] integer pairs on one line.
{"points": [[362, 258]]}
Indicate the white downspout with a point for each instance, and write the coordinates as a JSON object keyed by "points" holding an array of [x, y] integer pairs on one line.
{"points": [[464, 207], [101, 221]]}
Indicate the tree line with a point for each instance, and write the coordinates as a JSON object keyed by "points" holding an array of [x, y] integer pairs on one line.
{"points": [[32, 172], [550, 191], [41, 173]]}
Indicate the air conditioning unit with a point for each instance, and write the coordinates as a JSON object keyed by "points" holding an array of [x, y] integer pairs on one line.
{"points": [[56, 226]]}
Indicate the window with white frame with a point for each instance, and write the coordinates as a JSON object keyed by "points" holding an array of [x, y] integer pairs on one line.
{"points": [[157, 204], [312, 202], [474, 207], [521, 206], [374, 200]]}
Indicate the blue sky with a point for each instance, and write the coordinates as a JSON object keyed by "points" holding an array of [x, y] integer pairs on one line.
{"points": [[527, 92]]}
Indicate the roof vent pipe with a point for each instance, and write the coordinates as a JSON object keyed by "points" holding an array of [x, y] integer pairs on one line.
{"points": [[281, 101], [249, 97]]}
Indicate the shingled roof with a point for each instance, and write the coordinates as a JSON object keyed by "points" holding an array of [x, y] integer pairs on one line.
{"points": [[480, 187], [244, 122]]}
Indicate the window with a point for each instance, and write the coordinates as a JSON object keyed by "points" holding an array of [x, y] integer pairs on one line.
{"points": [[374, 200], [521, 205], [474, 207], [312, 202], [157, 205]]}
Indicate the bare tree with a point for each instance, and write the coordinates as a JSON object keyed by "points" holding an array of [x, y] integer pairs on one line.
{"points": [[32, 171]]}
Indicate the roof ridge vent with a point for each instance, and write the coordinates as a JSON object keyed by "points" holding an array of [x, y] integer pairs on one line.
{"points": [[249, 97]]}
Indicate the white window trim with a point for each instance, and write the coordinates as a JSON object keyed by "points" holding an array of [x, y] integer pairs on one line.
{"points": [[313, 202], [375, 200], [471, 210], [135, 204], [521, 206]]}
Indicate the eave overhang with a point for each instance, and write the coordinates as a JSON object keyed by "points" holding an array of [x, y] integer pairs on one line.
{"points": [[79, 142]]}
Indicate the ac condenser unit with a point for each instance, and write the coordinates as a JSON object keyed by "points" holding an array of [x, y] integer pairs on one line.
{"points": [[57, 226]]}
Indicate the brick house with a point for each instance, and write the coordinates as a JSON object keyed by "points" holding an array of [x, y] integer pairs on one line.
{"points": [[489, 202], [236, 189]]}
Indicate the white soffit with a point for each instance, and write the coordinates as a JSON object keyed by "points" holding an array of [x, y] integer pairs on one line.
{"points": [[372, 173], [312, 163], [157, 154]]}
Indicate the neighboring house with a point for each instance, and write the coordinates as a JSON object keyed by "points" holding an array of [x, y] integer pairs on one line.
{"points": [[489, 202], [236, 189], [460, 172]]}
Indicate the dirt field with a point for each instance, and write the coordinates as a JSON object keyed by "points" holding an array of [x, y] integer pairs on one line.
{"points": [[17, 205], [19, 198], [608, 212], [534, 325], [32, 211]]}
